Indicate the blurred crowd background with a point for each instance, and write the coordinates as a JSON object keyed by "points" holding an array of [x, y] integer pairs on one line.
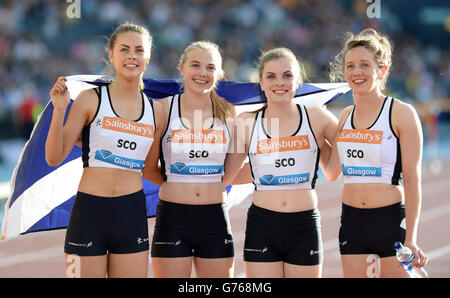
{"points": [[43, 39]]}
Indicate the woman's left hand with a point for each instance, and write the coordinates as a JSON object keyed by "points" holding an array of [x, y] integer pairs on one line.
{"points": [[420, 258]]}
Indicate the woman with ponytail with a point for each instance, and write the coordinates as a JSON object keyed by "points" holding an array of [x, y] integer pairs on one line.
{"points": [[285, 143], [379, 147], [107, 234], [192, 226]]}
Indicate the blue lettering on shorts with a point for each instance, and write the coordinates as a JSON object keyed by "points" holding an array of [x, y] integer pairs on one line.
{"points": [[361, 171], [282, 180], [107, 156], [183, 169]]}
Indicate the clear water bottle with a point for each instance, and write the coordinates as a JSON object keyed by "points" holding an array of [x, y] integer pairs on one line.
{"points": [[406, 257]]}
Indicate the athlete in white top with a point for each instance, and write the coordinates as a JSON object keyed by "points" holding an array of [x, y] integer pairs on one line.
{"points": [[379, 142], [129, 53], [193, 156], [192, 195], [370, 155], [110, 141], [283, 163], [283, 141]]}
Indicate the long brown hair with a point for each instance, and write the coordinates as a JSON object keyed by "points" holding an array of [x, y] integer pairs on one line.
{"points": [[124, 28]]}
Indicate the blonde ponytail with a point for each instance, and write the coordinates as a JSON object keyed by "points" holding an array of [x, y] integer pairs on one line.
{"points": [[221, 106]]}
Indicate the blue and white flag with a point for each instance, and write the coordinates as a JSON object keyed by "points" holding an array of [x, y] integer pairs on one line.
{"points": [[41, 196]]}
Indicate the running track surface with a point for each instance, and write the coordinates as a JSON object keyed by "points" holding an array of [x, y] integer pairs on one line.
{"points": [[41, 254]]}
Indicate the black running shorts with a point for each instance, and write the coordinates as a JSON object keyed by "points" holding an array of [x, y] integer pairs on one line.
{"points": [[293, 237], [99, 225], [371, 231], [183, 230]]}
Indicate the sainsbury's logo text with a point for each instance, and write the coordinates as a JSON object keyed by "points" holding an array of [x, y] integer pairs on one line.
{"points": [[126, 126], [283, 144], [361, 136]]}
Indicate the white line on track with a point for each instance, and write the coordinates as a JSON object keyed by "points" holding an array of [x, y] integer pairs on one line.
{"points": [[437, 253], [429, 188], [32, 256], [435, 212]]}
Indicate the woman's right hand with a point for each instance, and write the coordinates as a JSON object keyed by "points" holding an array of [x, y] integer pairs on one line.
{"points": [[60, 95]]}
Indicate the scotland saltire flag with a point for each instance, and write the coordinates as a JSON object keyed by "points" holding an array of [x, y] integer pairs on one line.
{"points": [[41, 196]]}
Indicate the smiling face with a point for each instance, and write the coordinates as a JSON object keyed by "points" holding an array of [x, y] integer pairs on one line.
{"points": [[201, 70], [362, 72], [130, 54], [279, 79]]}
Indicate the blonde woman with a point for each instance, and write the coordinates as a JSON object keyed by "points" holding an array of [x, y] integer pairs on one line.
{"points": [[192, 227]]}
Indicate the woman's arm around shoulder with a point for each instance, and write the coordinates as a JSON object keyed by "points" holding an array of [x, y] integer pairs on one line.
{"points": [[152, 171], [242, 128], [325, 125]]}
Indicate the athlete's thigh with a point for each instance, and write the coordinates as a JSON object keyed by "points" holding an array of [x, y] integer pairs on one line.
{"points": [[172, 267], [134, 265], [263, 269], [86, 267], [391, 267], [301, 271], [214, 267], [356, 265]]}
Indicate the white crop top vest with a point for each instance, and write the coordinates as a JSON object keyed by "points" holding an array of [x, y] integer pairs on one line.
{"points": [[370, 155], [193, 156], [110, 141], [286, 162]]}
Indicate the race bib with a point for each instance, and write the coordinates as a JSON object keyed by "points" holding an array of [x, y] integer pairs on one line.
{"points": [[280, 160], [360, 152], [197, 152]]}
